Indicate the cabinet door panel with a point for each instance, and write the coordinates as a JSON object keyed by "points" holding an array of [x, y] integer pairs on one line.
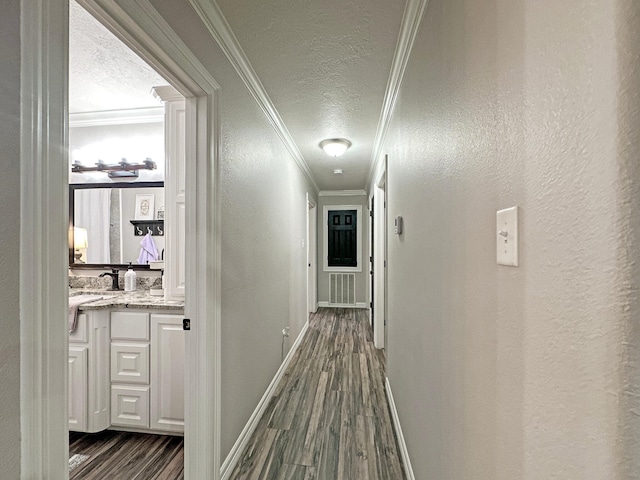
{"points": [[130, 406], [130, 362], [78, 389], [167, 373]]}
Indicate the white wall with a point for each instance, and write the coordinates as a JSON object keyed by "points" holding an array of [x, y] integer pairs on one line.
{"points": [[528, 372], [362, 277], [10, 239], [628, 39], [263, 196]]}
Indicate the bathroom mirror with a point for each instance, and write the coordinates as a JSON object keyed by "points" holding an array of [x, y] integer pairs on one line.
{"points": [[108, 222]]}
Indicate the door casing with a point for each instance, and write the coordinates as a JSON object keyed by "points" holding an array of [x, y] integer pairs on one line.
{"points": [[43, 168]]}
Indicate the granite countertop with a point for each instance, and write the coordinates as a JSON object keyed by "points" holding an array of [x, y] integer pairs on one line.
{"points": [[140, 299]]}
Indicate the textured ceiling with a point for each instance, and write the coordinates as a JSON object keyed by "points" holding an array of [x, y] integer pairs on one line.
{"points": [[325, 66], [104, 74]]}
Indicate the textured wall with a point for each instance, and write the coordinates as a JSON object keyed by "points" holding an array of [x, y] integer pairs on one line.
{"points": [[628, 56], [527, 372], [263, 224], [10, 240], [362, 277]]}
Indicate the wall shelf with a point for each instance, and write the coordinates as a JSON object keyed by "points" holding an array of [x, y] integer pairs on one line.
{"points": [[142, 227]]}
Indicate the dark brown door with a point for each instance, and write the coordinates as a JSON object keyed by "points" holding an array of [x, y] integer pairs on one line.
{"points": [[342, 238]]}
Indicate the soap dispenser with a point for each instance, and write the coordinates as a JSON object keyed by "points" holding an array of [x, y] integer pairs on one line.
{"points": [[130, 280]]}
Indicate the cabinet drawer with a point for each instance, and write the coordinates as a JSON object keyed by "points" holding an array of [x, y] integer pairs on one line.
{"points": [[130, 362], [130, 326], [130, 406]]}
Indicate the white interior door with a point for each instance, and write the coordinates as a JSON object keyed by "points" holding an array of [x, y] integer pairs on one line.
{"points": [[379, 269]]}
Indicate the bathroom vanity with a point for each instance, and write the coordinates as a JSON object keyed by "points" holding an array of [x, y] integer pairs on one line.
{"points": [[126, 365]]}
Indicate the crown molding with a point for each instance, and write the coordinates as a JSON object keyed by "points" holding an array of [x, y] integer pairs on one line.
{"points": [[341, 193], [411, 20], [217, 25], [166, 93], [117, 117]]}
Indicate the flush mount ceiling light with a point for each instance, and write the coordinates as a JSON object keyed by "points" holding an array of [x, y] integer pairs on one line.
{"points": [[335, 147], [337, 171]]}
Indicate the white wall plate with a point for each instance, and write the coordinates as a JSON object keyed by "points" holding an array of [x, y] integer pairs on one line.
{"points": [[507, 237]]}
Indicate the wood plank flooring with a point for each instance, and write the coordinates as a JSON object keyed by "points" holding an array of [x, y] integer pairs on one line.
{"points": [[329, 418], [127, 456]]}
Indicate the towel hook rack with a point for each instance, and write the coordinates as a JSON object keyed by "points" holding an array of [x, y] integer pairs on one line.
{"points": [[151, 227]]}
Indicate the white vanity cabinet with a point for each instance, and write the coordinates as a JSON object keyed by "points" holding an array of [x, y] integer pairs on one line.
{"points": [[89, 372], [147, 371]]}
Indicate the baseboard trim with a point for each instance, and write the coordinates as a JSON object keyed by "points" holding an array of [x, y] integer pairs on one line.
{"points": [[357, 305], [238, 448], [404, 452]]}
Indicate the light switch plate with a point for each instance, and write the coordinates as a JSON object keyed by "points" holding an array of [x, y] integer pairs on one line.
{"points": [[507, 237]]}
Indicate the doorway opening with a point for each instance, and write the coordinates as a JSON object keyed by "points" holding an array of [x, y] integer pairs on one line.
{"points": [[379, 261], [43, 285], [312, 255], [122, 112]]}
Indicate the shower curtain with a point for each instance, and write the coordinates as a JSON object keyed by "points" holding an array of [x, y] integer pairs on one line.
{"points": [[92, 211]]}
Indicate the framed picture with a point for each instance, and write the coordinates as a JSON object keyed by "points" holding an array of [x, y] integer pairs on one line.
{"points": [[160, 214], [144, 206]]}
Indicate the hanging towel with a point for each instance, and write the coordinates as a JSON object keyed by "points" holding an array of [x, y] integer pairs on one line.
{"points": [[74, 304], [148, 252]]}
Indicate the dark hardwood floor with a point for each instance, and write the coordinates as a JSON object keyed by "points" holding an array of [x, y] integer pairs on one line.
{"points": [[329, 418], [127, 456]]}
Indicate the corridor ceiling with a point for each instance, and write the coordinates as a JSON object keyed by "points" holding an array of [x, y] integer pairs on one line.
{"points": [[324, 64]]}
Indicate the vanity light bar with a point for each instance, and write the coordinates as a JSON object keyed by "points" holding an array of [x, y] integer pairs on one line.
{"points": [[118, 170]]}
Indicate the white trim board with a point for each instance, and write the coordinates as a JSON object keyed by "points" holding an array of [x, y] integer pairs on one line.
{"points": [[44, 343], [238, 448], [357, 305], [221, 32], [404, 452], [117, 117], [411, 20]]}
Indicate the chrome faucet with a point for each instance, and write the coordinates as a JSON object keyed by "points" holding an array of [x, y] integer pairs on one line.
{"points": [[114, 279]]}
